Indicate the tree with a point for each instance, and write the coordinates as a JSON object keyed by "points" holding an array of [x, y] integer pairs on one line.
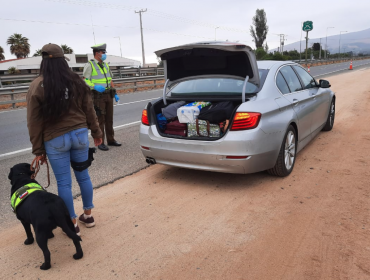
{"points": [[160, 62], [66, 49], [316, 46], [260, 32], [19, 45], [37, 53], [2, 57], [260, 53], [13, 70]]}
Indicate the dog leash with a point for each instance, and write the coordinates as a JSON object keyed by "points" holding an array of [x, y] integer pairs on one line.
{"points": [[35, 166]]}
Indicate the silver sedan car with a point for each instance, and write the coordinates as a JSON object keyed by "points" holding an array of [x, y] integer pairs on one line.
{"points": [[278, 108]]}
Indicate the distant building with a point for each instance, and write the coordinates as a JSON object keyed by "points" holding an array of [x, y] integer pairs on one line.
{"points": [[31, 65]]}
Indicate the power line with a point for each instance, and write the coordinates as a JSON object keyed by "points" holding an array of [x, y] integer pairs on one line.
{"points": [[150, 11], [102, 26]]}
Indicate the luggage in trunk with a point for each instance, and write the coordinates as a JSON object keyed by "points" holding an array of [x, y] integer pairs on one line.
{"points": [[171, 110], [203, 128], [217, 112], [176, 128]]}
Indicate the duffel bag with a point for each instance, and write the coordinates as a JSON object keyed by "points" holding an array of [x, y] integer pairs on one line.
{"points": [[176, 128], [171, 110], [203, 128], [217, 112]]}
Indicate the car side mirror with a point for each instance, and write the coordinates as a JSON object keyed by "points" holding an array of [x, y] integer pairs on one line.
{"points": [[324, 84]]}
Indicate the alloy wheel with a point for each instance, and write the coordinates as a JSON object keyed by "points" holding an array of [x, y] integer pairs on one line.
{"points": [[332, 114], [289, 154]]}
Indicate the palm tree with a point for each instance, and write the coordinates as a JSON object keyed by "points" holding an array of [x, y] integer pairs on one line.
{"points": [[2, 57], [37, 53], [19, 45], [66, 49]]}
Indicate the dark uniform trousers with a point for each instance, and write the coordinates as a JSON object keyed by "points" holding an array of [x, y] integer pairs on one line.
{"points": [[105, 103]]}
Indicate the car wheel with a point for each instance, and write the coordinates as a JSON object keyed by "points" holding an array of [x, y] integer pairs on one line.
{"points": [[286, 159], [330, 120]]}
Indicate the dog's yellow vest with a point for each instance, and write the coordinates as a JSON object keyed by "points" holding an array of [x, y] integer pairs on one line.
{"points": [[19, 195]]}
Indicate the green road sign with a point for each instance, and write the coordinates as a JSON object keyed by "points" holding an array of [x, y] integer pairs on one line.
{"points": [[307, 26]]}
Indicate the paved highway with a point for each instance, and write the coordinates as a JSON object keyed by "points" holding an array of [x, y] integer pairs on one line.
{"points": [[108, 166], [13, 127]]}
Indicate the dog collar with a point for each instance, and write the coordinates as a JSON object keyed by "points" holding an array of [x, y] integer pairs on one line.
{"points": [[22, 193]]}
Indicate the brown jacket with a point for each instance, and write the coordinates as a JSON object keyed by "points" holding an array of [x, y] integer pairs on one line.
{"points": [[80, 115]]}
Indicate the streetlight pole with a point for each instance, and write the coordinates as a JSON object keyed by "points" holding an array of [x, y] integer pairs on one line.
{"points": [[215, 31], [340, 34], [142, 39], [300, 43], [119, 38], [326, 44]]}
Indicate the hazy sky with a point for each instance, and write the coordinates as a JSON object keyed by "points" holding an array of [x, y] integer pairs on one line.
{"points": [[170, 23]]}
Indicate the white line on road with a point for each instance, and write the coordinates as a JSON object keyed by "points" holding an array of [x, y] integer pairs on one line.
{"points": [[29, 149], [135, 101], [119, 104]]}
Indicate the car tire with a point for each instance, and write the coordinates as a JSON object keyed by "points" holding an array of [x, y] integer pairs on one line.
{"points": [[330, 120], [287, 154]]}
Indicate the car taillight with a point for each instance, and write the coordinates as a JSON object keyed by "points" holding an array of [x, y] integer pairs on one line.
{"points": [[243, 121], [144, 117]]}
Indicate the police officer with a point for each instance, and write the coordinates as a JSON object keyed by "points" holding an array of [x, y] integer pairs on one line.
{"points": [[98, 77]]}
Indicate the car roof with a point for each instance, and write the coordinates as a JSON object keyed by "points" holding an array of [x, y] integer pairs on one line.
{"points": [[268, 64]]}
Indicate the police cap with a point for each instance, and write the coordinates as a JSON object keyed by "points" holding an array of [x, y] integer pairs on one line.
{"points": [[100, 47]]}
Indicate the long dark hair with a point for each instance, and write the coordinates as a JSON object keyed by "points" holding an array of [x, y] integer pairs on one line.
{"points": [[61, 87]]}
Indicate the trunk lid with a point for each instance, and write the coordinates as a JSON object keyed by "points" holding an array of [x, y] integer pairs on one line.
{"points": [[209, 58]]}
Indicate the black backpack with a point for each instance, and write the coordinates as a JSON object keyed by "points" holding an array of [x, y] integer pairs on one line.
{"points": [[217, 112]]}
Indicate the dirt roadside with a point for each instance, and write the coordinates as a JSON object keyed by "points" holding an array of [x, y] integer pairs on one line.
{"points": [[171, 223]]}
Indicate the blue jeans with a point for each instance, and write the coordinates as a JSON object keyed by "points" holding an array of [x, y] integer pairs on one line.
{"points": [[73, 145]]}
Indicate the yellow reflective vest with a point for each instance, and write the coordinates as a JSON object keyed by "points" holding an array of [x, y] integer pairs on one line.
{"points": [[99, 76], [20, 195]]}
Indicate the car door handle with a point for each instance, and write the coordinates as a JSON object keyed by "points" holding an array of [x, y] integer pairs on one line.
{"points": [[295, 102]]}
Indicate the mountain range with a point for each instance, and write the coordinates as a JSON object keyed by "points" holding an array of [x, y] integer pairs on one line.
{"points": [[357, 42]]}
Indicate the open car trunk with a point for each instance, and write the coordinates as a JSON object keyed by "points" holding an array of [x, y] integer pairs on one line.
{"points": [[202, 132]]}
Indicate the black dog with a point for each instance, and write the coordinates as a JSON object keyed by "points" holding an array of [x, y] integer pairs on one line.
{"points": [[45, 211]]}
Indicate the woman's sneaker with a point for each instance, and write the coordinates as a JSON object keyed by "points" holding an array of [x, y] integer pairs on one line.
{"points": [[88, 220]]}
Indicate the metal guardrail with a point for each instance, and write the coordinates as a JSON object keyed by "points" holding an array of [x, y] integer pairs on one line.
{"points": [[22, 89], [117, 73]]}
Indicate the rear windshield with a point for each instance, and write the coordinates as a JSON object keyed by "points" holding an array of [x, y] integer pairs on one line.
{"points": [[216, 86]]}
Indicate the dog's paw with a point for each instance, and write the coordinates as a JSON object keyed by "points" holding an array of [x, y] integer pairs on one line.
{"points": [[51, 235], [45, 266], [78, 256], [29, 241]]}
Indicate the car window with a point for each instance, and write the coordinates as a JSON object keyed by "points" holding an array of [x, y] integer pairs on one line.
{"points": [[308, 81], [291, 78], [281, 84], [214, 86]]}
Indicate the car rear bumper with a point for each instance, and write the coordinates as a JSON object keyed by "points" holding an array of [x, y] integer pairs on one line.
{"points": [[261, 151]]}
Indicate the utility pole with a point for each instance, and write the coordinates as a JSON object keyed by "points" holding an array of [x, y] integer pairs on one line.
{"points": [[326, 44], [340, 34], [119, 38], [282, 39], [141, 29], [300, 45], [215, 31]]}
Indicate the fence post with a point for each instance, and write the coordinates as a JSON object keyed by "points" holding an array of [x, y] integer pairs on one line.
{"points": [[12, 97], [134, 86], [1, 85], [119, 71]]}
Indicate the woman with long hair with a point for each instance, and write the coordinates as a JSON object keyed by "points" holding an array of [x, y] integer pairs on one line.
{"points": [[59, 113]]}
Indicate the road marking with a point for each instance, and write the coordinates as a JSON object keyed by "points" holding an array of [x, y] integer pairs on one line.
{"points": [[29, 149], [113, 105], [135, 101], [339, 70]]}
